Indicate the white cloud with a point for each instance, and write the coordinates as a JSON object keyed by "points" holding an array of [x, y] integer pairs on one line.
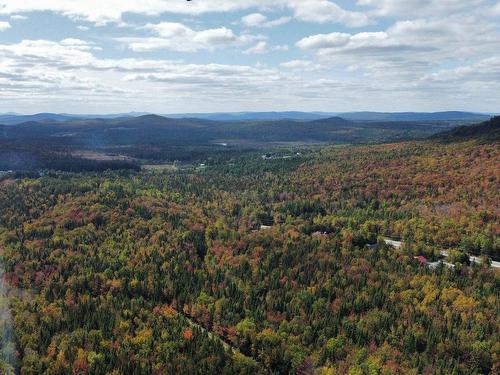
{"points": [[432, 39], [323, 11], [44, 70], [485, 70], [254, 19], [214, 37], [206, 75], [409, 57], [300, 65], [277, 22], [178, 37], [260, 20], [293, 64], [281, 47], [65, 73], [69, 54], [437, 53], [75, 42], [496, 10], [419, 8], [258, 49], [321, 41], [4, 25], [66, 76], [100, 12], [18, 17]]}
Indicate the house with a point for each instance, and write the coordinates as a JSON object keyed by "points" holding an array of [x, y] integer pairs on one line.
{"points": [[421, 259], [319, 234], [449, 265], [434, 265], [393, 243]]}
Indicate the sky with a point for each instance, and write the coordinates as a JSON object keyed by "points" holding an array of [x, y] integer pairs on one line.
{"points": [[177, 56]]}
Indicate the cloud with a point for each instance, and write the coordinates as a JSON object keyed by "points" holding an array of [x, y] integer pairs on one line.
{"points": [[66, 75], [323, 11], [4, 25], [432, 54], [432, 39], [496, 10], [207, 75], [254, 19], [485, 71], [296, 64], [366, 43], [41, 70], [260, 20], [281, 47], [300, 65], [68, 54], [321, 41], [412, 57], [258, 49], [76, 43], [419, 8], [100, 12], [18, 17], [178, 37]]}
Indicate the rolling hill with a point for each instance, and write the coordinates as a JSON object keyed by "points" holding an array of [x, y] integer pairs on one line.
{"points": [[488, 131], [121, 142], [252, 116], [415, 116], [466, 117], [153, 129]]}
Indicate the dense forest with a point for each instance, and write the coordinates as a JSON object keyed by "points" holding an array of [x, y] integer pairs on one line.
{"points": [[258, 265], [129, 142]]}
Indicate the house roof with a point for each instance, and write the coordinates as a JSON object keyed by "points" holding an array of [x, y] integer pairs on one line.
{"points": [[421, 259]]}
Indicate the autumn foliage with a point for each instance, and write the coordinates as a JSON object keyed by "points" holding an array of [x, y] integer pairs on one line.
{"points": [[259, 266]]}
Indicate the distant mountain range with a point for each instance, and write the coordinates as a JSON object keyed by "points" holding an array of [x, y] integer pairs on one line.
{"points": [[13, 119], [251, 116], [160, 131], [415, 116], [94, 144]]}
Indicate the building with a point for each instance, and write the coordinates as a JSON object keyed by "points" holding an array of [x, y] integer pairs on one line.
{"points": [[421, 259]]}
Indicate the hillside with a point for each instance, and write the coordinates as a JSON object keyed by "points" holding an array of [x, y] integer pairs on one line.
{"points": [[488, 131], [153, 129], [163, 272], [253, 116], [15, 119], [415, 116], [126, 141], [455, 116]]}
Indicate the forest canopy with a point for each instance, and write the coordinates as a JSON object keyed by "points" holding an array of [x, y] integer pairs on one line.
{"points": [[260, 265]]}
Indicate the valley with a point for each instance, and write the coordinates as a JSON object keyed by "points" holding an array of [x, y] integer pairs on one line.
{"points": [[77, 144], [250, 187], [261, 262]]}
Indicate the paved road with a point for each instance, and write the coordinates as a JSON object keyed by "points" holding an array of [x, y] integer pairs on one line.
{"points": [[444, 253], [472, 259]]}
